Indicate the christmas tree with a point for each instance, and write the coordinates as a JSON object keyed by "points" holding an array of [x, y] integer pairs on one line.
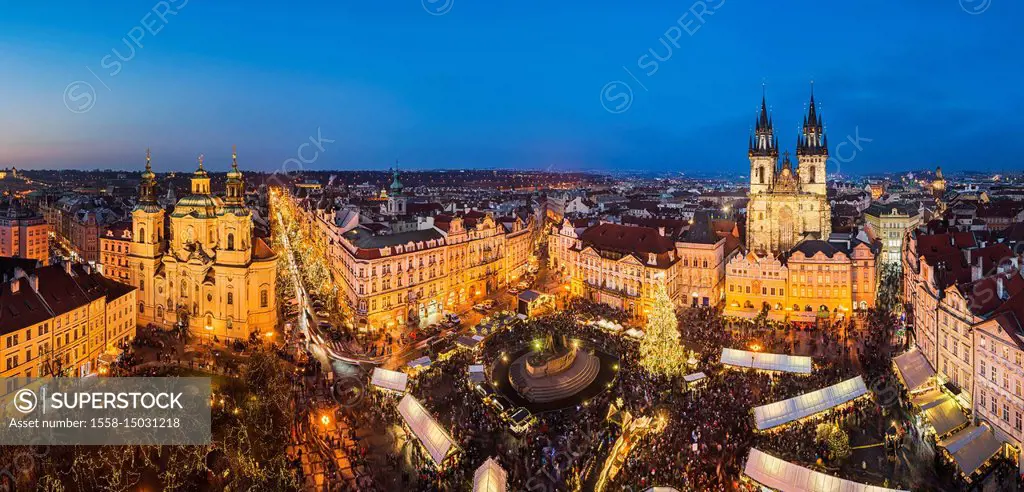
{"points": [[660, 351]]}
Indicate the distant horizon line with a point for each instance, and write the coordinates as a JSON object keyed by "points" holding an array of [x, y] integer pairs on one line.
{"points": [[596, 172]]}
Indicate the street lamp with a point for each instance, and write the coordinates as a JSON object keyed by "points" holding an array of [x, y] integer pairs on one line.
{"points": [[325, 420]]}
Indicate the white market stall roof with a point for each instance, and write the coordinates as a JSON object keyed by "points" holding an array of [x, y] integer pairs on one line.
{"points": [[469, 342], [807, 404], [784, 476], [476, 373], [662, 489], [692, 378], [607, 325], [766, 362], [945, 417], [913, 368], [929, 399], [421, 362], [635, 333], [392, 380], [435, 439], [490, 477], [972, 447]]}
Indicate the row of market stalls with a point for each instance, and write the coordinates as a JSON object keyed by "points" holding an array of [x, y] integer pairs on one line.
{"points": [[766, 362], [971, 446], [808, 404], [435, 440], [776, 474]]}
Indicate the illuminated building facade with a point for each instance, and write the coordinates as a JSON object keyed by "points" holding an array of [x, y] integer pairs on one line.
{"points": [[211, 275]]}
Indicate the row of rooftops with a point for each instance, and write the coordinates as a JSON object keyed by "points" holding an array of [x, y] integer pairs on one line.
{"points": [[983, 268], [31, 293], [654, 238]]}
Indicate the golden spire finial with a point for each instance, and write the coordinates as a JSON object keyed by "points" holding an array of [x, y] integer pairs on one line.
{"points": [[200, 161], [234, 157], [148, 158]]}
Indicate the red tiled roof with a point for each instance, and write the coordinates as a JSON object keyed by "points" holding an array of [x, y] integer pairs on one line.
{"points": [[983, 294], [627, 239], [260, 250], [20, 309]]}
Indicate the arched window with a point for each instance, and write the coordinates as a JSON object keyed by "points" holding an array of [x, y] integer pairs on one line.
{"points": [[159, 311], [142, 234], [231, 298], [231, 241], [811, 179], [263, 298], [760, 174], [184, 289], [142, 285], [209, 320], [142, 307]]}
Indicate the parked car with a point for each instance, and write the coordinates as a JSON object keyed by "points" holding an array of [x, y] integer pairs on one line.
{"points": [[323, 314], [480, 308], [490, 303], [514, 291]]}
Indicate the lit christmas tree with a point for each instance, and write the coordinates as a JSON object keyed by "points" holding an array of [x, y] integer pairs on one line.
{"points": [[660, 351]]}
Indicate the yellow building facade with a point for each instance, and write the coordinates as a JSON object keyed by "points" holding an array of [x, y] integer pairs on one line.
{"points": [[62, 319], [827, 279], [211, 275]]}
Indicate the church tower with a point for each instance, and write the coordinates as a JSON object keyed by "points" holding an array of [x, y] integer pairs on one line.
{"points": [[763, 151], [148, 244], [397, 200], [812, 152], [235, 219]]}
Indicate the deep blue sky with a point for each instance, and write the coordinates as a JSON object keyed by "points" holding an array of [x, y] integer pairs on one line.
{"points": [[507, 84]]}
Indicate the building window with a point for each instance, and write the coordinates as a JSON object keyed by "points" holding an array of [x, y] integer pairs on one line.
{"points": [[263, 298], [231, 241], [231, 298], [142, 307]]}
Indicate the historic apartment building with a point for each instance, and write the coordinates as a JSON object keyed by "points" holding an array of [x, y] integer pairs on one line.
{"points": [[965, 301], [786, 205], [621, 265], [212, 274], [890, 222], [414, 265], [115, 245], [61, 319], [815, 279], [23, 233]]}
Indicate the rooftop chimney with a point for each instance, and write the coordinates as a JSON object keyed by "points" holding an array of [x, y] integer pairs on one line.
{"points": [[1000, 289], [33, 281], [67, 267], [15, 286]]}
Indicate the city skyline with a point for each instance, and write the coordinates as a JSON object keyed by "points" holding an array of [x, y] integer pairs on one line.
{"points": [[464, 85]]}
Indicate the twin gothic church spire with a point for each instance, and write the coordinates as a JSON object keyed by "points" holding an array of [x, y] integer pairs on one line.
{"points": [[811, 140]]}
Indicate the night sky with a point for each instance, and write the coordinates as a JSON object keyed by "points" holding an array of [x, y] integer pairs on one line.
{"points": [[526, 84]]}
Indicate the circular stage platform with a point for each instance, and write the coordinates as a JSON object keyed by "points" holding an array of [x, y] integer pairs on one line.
{"points": [[588, 375]]}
